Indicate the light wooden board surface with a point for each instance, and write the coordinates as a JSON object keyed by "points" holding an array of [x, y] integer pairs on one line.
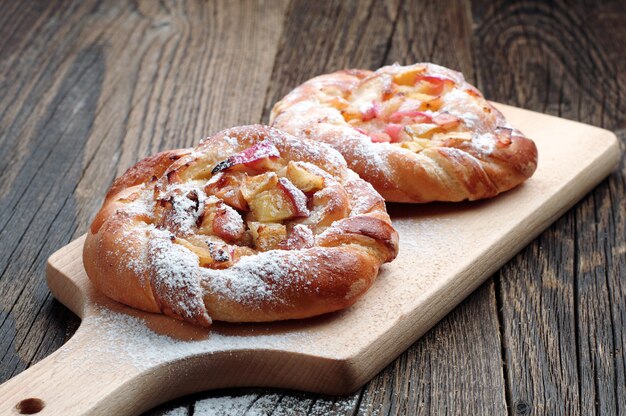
{"points": [[122, 361]]}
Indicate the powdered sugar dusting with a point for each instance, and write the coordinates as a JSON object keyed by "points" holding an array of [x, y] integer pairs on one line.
{"points": [[142, 205], [227, 406], [460, 104], [131, 342], [176, 274], [257, 278], [484, 142], [231, 140], [351, 142], [186, 210]]}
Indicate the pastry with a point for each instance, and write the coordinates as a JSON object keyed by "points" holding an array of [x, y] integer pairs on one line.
{"points": [[251, 225], [417, 133]]}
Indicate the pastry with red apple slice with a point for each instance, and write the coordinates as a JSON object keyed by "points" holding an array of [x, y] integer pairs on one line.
{"points": [[417, 133], [251, 225]]}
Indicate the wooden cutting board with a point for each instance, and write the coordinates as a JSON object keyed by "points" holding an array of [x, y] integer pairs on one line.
{"points": [[123, 362]]}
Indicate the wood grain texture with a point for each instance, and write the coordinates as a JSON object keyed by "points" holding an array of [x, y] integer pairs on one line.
{"points": [[563, 328], [89, 87], [447, 251]]}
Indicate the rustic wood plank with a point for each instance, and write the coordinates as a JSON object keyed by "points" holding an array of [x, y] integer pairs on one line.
{"points": [[438, 373], [562, 300], [70, 71], [327, 36], [438, 31], [408, 386], [318, 38], [444, 372], [121, 82]]}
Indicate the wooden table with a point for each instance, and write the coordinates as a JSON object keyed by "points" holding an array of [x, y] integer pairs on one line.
{"points": [[87, 88]]}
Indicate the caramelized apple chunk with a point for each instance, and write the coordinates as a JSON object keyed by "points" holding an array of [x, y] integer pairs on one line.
{"points": [[199, 169], [267, 236], [327, 206], [366, 98], [297, 198], [254, 185], [209, 254], [272, 199], [227, 187], [221, 220], [302, 178], [259, 156], [408, 77]]}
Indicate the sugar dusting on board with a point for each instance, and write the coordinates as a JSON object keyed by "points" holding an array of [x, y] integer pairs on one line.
{"points": [[129, 340], [284, 404]]}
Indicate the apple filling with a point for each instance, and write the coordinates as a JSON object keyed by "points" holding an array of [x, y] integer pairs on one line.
{"points": [[251, 201], [404, 109]]}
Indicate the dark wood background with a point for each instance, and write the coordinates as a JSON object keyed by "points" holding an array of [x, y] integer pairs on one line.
{"points": [[87, 88]]}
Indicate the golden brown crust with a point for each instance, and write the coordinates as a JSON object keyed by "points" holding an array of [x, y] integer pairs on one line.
{"points": [[144, 170], [495, 159], [147, 246]]}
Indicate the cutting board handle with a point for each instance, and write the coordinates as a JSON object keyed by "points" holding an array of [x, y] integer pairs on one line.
{"points": [[71, 381]]}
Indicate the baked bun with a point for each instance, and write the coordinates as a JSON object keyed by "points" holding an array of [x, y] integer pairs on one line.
{"points": [[251, 225], [417, 133]]}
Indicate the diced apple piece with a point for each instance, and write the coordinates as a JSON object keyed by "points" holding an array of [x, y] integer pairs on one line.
{"points": [[177, 210], [366, 98], [199, 168], [363, 111], [280, 203], [295, 195], [332, 90], [227, 187], [422, 130], [339, 103], [374, 88], [409, 104], [253, 185], [504, 136], [209, 255], [432, 105], [421, 97], [455, 136], [272, 206], [446, 120], [376, 137], [267, 236], [371, 112], [222, 221], [412, 116], [473, 92], [391, 106], [302, 178], [256, 157], [408, 77], [228, 224], [433, 85], [351, 115], [328, 205], [416, 145], [394, 131]]}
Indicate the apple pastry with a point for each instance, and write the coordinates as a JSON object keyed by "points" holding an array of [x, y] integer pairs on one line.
{"points": [[417, 133], [251, 225]]}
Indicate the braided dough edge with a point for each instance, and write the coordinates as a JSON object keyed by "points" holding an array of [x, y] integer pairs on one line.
{"points": [[302, 283], [399, 175]]}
